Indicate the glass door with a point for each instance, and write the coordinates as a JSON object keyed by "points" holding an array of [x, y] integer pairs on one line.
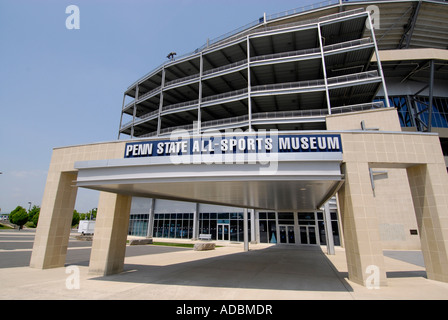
{"points": [[223, 232], [308, 235], [286, 234], [291, 235]]}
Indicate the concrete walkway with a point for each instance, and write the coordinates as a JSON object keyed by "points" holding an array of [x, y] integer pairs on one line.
{"points": [[267, 272]]}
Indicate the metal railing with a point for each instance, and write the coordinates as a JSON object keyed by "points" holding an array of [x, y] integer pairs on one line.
{"points": [[293, 114], [180, 105], [348, 44], [289, 85], [358, 107], [291, 25], [225, 95], [154, 114], [278, 86], [194, 76], [353, 77], [226, 67], [274, 115], [252, 27], [147, 135], [336, 46], [303, 52], [226, 121], [289, 114], [187, 127], [302, 9]]}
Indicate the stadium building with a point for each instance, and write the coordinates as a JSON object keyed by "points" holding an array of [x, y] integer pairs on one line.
{"points": [[323, 125]]}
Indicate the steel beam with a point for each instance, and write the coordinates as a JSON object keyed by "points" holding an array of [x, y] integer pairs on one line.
{"points": [[431, 90], [407, 34]]}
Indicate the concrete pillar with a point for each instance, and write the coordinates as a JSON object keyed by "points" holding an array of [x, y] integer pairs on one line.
{"points": [[150, 231], [196, 222], [328, 229], [364, 254], [246, 230], [55, 219], [253, 228], [429, 188], [111, 229]]}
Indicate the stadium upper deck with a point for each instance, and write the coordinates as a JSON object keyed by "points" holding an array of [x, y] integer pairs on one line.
{"points": [[289, 70]]}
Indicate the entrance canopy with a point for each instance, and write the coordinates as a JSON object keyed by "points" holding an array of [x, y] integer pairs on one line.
{"points": [[273, 172]]}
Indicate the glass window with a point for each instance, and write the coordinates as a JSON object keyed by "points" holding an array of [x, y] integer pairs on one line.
{"points": [[333, 215], [336, 238], [286, 215], [263, 231], [233, 230], [205, 227], [287, 222], [306, 215], [224, 215], [138, 225], [323, 239], [166, 226], [272, 231], [212, 229]]}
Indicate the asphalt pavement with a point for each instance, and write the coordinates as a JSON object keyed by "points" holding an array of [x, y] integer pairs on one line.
{"points": [[266, 272]]}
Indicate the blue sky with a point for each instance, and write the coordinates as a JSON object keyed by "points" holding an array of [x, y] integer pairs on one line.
{"points": [[62, 87]]}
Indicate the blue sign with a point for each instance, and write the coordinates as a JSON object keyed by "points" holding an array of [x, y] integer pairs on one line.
{"points": [[235, 145]]}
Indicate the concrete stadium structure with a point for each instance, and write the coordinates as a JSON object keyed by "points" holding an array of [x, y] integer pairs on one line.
{"points": [[323, 125]]}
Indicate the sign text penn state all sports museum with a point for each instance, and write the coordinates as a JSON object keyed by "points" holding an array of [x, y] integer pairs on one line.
{"points": [[235, 145]]}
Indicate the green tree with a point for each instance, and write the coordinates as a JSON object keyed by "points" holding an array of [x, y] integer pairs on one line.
{"points": [[35, 219], [18, 216], [91, 215], [76, 218], [33, 215]]}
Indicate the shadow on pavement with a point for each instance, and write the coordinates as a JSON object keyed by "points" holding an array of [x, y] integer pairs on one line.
{"points": [[277, 268]]}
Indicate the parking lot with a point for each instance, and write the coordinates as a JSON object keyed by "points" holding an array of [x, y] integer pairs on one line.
{"points": [[266, 272]]}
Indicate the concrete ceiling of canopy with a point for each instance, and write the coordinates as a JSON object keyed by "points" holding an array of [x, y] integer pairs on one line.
{"points": [[303, 184]]}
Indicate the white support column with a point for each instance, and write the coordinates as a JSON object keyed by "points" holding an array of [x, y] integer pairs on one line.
{"points": [[249, 84], [380, 67], [324, 69], [150, 232], [196, 222], [134, 111], [201, 70], [246, 231], [121, 118], [159, 118], [328, 229], [252, 227]]}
